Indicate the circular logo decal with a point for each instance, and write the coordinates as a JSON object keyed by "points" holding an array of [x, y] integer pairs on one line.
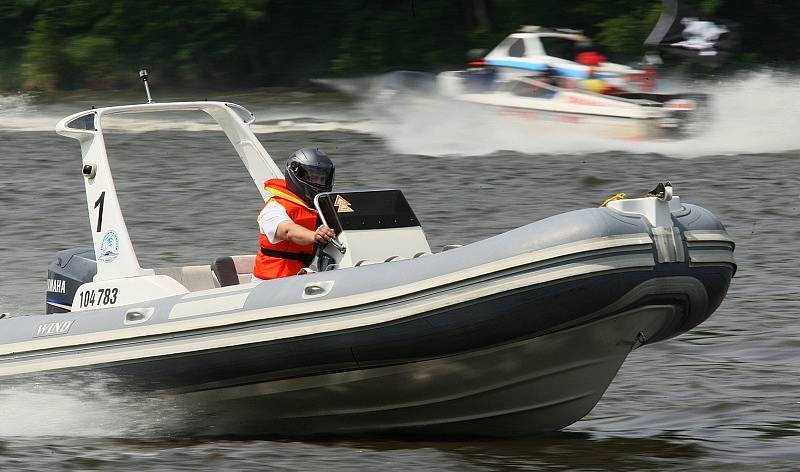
{"points": [[109, 246]]}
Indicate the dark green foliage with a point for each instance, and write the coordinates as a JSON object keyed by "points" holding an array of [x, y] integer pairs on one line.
{"points": [[49, 44]]}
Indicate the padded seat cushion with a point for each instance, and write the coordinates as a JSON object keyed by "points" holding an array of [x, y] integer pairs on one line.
{"points": [[233, 270]]}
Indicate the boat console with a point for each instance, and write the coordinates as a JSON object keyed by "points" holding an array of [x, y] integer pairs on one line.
{"points": [[371, 226]]}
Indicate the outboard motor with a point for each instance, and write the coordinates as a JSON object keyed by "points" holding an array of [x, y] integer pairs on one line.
{"points": [[71, 269]]}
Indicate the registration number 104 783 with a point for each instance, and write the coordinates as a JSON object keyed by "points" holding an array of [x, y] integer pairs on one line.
{"points": [[97, 297]]}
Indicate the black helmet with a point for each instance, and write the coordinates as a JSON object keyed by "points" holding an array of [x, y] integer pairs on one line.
{"points": [[309, 171]]}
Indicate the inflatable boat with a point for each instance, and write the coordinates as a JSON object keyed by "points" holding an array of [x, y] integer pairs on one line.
{"points": [[516, 334]]}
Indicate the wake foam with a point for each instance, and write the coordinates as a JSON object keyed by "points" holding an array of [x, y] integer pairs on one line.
{"points": [[752, 113], [84, 409], [14, 104]]}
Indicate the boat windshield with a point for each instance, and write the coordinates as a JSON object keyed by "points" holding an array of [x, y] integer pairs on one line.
{"points": [[531, 89], [561, 47]]}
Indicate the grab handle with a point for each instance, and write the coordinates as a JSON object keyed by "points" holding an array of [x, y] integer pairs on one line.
{"points": [[138, 315], [317, 289]]}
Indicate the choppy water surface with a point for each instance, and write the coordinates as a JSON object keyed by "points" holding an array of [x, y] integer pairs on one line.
{"points": [[725, 396]]}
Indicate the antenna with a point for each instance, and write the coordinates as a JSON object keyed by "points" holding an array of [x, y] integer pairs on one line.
{"points": [[143, 75]]}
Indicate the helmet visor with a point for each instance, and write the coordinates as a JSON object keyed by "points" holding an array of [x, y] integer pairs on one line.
{"points": [[317, 176]]}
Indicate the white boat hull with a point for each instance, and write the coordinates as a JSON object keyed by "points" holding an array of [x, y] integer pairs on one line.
{"points": [[626, 116]]}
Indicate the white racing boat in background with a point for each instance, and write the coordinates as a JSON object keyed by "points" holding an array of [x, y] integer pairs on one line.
{"points": [[622, 116], [515, 334], [534, 50], [533, 74]]}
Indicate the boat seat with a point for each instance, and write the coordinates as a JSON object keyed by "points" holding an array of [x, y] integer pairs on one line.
{"points": [[234, 270], [194, 278]]}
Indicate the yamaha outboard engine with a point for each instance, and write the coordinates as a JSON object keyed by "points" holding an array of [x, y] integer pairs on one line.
{"points": [[71, 269]]}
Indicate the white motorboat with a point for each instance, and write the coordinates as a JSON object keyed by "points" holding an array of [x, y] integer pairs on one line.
{"points": [[532, 74], [534, 50], [516, 334], [629, 115]]}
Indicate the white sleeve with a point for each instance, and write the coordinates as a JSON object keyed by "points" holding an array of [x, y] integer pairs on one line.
{"points": [[270, 217]]}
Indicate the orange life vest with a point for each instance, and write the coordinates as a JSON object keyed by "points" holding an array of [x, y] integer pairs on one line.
{"points": [[285, 258]]}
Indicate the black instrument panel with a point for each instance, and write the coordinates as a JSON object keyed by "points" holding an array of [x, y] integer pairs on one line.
{"points": [[371, 209]]}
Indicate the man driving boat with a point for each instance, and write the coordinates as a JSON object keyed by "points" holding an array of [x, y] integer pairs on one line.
{"points": [[288, 221]]}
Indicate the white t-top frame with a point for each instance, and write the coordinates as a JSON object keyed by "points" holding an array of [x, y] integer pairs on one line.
{"points": [[114, 251]]}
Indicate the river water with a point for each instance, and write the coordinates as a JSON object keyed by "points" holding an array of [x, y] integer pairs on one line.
{"points": [[725, 396]]}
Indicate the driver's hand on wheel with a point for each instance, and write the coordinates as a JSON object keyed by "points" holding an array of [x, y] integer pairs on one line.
{"points": [[323, 234]]}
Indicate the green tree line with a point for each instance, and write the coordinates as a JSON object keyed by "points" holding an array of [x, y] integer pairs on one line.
{"points": [[58, 44]]}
